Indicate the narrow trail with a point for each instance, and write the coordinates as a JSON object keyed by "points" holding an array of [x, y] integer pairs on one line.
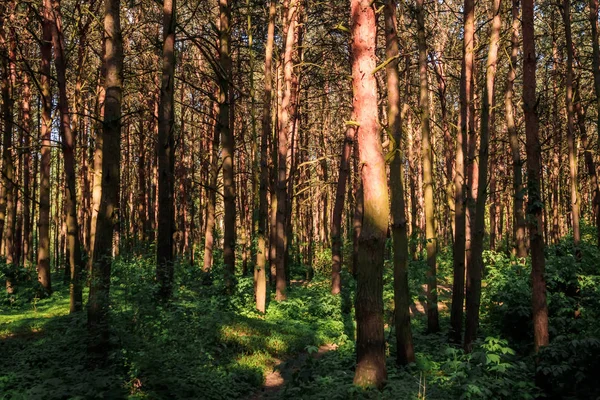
{"points": [[419, 307], [275, 381]]}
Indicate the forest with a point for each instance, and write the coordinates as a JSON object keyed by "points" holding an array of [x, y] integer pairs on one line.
{"points": [[299, 199]]}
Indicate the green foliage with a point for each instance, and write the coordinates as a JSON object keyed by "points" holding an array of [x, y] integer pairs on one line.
{"points": [[25, 285], [205, 344], [506, 298], [202, 344], [322, 262], [573, 295], [492, 371]]}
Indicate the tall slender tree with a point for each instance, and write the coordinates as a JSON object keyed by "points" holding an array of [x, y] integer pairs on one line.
{"points": [[225, 126], [108, 214], [534, 200], [43, 255], [473, 296], [404, 343], [370, 340], [513, 136], [573, 185], [433, 323], [290, 23], [263, 209], [76, 264], [7, 198], [466, 83], [166, 155]]}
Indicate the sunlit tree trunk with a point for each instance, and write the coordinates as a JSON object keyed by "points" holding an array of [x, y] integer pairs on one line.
{"points": [[473, 297], [283, 147], [574, 187], [97, 177], [263, 209], [211, 193], [587, 152], [75, 263], [370, 341], [557, 141], [226, 128], [7, 195], [27, 212], [43, 255], [448, 143], [433, 323], [458, 285]]}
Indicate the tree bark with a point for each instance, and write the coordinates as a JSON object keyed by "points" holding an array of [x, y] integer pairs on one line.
{"points": [[7, 193], [283, 147], [593, 16], [338, 208], [534, 203], [43, 255], [459, 248], [108, 216], [370, 342], [433, 323], [513, 136], [76, 264], [263, 209], [473, 296], [166, 156], [226, 128], [405, 353], [27, 211], [211, 193], [574, 187]]}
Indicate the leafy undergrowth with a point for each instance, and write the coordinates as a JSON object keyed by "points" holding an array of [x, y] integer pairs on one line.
{"points": [[206, 345], [203, 344]]}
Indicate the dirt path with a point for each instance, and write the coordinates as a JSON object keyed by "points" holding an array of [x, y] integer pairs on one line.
{"points": [[419, 307], [274, 380]]}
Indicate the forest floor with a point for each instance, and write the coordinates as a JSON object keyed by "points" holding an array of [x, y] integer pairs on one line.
{"points": [[275, 381], [208, 345]]}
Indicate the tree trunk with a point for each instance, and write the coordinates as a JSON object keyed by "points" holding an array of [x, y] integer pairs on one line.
{"points": [[404, 344], [566, 14], [211, 194], [513, 136], [43, 255], [283, 147], [7, 194], [459, 248], [433, 323], [98, 154], [338, 208], [473, 297], [108, 216], [596, 72], [534, 206], [370, 342], [228, 148], [27, 212], [166, 156], [263, 209], [76, 264]]}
